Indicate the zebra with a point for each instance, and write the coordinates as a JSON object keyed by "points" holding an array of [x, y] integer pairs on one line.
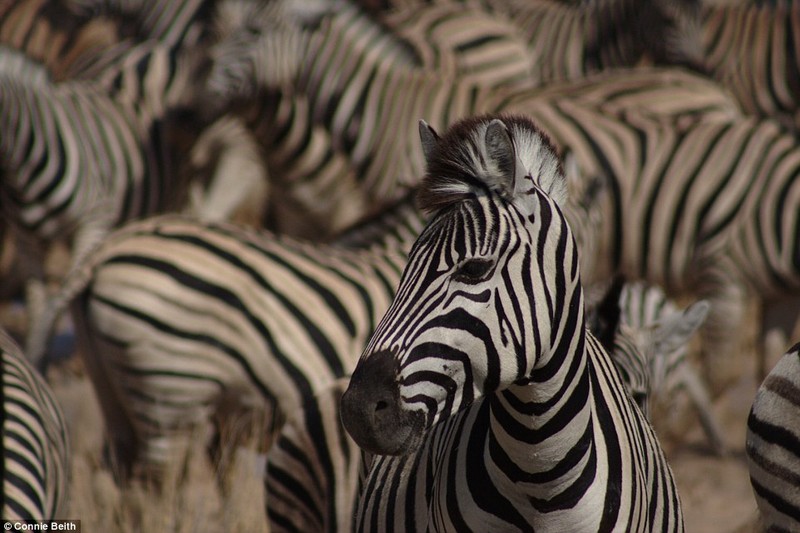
{"points": [[488, 404], [312, 472], [560, 42], [80, 156], [625, 136], [772, 444], [35, 443], [48, 32], [182, 323], [751, 49], [320, 132], [647, 337]]}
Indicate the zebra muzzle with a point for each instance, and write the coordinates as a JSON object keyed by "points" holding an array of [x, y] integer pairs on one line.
{"points": [[372, 412]]}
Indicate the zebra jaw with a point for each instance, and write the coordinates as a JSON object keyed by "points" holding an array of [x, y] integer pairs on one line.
{"points": [[371, 409]]}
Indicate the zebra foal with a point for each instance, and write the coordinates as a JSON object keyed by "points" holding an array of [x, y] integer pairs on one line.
{"points": [[647, 337], [491, 406], [35, 445], [773, 445]]}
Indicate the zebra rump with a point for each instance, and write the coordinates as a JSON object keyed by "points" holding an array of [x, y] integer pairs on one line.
{"points": [[773, 445]]}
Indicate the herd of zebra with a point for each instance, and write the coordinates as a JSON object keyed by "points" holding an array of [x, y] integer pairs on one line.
{"points": [[428, 251]]}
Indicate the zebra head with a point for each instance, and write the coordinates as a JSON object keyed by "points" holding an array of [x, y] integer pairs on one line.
{"points": [[490, 291], [259, 46]]}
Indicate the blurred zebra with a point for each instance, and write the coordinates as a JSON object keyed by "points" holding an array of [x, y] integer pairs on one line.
{"points": [[320, 132], [80, 156], [182, 323], [173, 23], [558, 42], [35, 444], [773, 445], [312, 474], [490, 404], [648, 342], [750, 48], [47, 32]]}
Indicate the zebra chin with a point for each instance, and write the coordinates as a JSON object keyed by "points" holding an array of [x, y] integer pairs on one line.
{"points": [[372, 412]]}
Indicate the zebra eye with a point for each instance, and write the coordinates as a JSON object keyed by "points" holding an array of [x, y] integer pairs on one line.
{"points": [[473, 270]]}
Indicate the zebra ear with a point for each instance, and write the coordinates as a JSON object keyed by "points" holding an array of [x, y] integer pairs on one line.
{"points": [[674, 331], [429, 139], [502, 153]]}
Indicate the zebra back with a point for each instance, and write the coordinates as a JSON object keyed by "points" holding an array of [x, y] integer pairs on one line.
{"points": [[320, 132], [751, 50], [35, 444], [772, 444]]}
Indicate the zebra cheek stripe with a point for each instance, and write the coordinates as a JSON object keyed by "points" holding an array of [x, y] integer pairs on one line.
{"points": [[371, 410]]}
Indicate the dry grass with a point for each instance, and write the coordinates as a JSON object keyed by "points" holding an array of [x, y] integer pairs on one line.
{"points": [[190, 500]]}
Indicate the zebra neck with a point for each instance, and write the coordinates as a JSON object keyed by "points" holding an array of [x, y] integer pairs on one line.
{"points": [[542, 433], [541, 422]]}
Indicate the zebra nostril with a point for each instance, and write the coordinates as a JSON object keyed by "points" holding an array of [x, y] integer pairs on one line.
{"points": [[381, 405]]}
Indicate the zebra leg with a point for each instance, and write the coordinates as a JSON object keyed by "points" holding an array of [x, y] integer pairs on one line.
{"points": [[239, 429], [313, 470], [702, 403], [121, 446], [723, 353], [87, 237]]}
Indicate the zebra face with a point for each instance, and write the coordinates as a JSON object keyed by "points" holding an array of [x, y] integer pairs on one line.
{"points": [[475, 309]]}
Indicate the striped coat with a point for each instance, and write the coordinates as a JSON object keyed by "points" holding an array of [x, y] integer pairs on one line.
{"points": [[35, 444]]}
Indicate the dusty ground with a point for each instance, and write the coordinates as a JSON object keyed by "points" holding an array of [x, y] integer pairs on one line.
{"points": [[716, 492]]}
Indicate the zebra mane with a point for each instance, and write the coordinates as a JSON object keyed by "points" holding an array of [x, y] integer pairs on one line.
{"points": [[471, 157]]}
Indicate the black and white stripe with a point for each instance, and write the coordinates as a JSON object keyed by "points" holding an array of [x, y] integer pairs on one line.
{"points": [[35, 445], [181, 321], [773, 445], [649, 345], [80, 156], [752, 50], [495, 408], [313, 468]]}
